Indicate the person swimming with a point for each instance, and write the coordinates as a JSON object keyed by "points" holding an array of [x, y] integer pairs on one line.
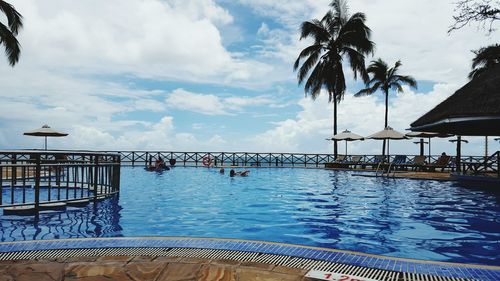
{"points": [[232, 173]]}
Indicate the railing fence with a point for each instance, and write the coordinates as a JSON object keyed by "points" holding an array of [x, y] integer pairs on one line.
{"points": [[39, 179], [144, 158]]}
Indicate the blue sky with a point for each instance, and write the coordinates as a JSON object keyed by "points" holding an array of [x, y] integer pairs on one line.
{"points": [[212, 75]]}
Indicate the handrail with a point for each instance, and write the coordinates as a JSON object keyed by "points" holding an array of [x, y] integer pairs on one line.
{"points": [[55, 176]]}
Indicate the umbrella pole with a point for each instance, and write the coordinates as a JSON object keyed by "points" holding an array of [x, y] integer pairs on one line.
{"points": [[345, 148], [429, 150], [486, 147], [388, 153], [45, 142]]}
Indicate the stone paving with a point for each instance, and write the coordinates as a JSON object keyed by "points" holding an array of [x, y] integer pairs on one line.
{"points": [[124, 268]]}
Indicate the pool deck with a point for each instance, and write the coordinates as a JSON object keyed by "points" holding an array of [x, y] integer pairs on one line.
{"points": [[175, 258]]}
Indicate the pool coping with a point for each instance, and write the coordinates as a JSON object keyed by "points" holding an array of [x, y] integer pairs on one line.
{"points": [[444, 269]]}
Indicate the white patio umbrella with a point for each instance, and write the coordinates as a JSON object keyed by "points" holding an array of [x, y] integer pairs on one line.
{"points": [[388, 134], [347, 136], [45, 131]]}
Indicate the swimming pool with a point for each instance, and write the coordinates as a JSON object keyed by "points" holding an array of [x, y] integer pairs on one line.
{"points": [[394, 217]]}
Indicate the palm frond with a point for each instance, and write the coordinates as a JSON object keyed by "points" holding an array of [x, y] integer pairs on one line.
{"points": [[485, 58], [357, 62], [12, 47], [396, 86], [306, 53], [14, 18], [341, 10], [309, 63], [315, 80], [477, 72], [314, 29], [369, 90], [406, 79]]}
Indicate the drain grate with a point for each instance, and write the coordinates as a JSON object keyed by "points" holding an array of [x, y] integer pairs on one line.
{"points": [[242, 256]]}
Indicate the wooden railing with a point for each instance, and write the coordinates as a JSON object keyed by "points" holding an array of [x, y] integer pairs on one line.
{"points": [[37, 179], [145, 158], [489, 165]]}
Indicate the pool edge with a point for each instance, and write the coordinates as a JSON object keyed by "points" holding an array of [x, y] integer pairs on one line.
{"points": [[459, 270]]}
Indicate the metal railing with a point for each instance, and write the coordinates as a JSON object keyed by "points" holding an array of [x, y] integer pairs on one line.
{"points": [[196, 159], [36, 179]]}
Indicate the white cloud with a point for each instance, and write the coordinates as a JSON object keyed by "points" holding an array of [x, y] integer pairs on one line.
{"points": [[209, 104], [203, 104], [364, 116], [177, 40]]}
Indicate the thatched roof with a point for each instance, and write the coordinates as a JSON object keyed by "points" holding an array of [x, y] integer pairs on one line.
{"points": [[472, 110]]}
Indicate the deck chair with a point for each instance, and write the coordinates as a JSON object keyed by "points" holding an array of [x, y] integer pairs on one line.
{"points": [[354, 162], [340, 159], [417, 163], [442, 163], [378, 160], [398, 161], [337, 163]]}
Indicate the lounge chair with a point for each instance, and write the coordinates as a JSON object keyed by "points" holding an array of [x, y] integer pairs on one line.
{"points": [[398, 161], [377, 162], [337, 163], [355, 161], [417, 163], [442, 163], [340, 159]]}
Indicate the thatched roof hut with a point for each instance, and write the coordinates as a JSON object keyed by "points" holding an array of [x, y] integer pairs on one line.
{"points": [[473, 110]]}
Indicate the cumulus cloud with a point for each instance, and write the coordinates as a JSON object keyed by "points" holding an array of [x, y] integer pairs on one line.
{"points": [[209, 104], [311, 127], [177, 40]]}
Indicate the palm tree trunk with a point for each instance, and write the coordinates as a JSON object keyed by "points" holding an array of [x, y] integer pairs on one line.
{"points": [[386, 117], [335, 124]]}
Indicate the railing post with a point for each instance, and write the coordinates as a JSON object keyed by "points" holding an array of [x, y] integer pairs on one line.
{"points": [[13, 175], [37, 182], [118, 174], [133, 158], [96, 171], [498, 163]]}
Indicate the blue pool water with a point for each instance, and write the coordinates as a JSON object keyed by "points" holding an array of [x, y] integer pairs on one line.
{"points": [[395, 217]]}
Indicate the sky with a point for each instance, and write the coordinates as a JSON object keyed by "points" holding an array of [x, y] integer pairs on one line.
{"points": [[216, 75]]}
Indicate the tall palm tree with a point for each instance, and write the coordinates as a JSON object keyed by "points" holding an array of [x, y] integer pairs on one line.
{"points": [[486, 58], [337, 36], [385, 79], [8, 33]]}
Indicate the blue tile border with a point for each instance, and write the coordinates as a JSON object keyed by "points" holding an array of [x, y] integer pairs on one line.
{"points": [[487, 273]]}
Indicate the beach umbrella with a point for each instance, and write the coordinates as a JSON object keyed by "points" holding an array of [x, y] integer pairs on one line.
{"points": [[45, 131], [388, 134], [347, 136], [428, 135]]}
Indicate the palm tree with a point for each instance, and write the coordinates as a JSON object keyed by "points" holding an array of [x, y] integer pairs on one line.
{"points": [[337, 36], [486, 58], [385, 79], [8, 34]]}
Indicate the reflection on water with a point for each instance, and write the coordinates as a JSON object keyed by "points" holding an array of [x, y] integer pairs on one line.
{"points": [[396, 217], [99, 220]]}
